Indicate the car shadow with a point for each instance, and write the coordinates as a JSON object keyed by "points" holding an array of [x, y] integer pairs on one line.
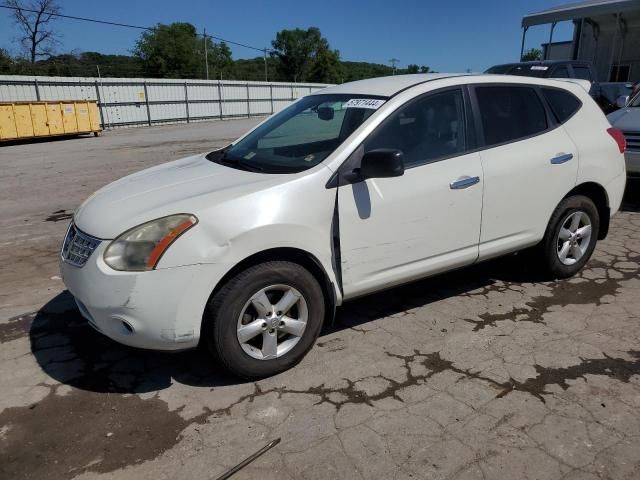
{"points": [[70, 351], [73, 353], [517, 268], [631, 199]]}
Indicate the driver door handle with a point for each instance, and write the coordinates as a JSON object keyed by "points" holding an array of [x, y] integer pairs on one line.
{"points": [[464, 182]]}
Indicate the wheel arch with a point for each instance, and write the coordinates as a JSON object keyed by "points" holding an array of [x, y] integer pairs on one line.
{"points": [[294, 255], [599, 197]]}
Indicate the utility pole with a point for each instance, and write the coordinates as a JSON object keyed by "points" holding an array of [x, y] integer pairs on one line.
{"points": [[266, 72], [206, 54], [394, 62]]}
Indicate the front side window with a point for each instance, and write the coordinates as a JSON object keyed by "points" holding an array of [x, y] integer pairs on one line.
{"points": [[301, 136], [425, 130], [563, 104], [510, 113]]}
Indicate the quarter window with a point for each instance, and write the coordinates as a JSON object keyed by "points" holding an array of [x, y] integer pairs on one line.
{"points": [[510, 113], [425, 130], [563, 104]]}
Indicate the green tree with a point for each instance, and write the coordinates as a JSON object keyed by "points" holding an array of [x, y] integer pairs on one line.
{"points": [[169, 51], [327, 67], [6, 62], [413, 68], [531, 55], [304, 55], [220, 61], [176, 51], [425, 69]]}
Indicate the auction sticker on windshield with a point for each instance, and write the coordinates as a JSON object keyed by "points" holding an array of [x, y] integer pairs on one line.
{"points": [[372, 103]]}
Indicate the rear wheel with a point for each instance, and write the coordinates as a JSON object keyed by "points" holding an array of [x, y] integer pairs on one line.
{"points": [[265, 319], [571, 236]]}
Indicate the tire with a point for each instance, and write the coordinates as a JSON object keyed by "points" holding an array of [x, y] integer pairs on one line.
{"points": [[242, 296], [555, 243]]}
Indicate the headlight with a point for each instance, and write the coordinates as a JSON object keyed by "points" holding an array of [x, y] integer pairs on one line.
{"points": [[142, 247]]}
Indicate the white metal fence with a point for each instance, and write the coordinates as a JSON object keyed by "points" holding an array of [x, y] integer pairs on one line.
{"points": [[140, 101]]}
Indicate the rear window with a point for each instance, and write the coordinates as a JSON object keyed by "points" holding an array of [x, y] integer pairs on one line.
{"points": [[530, 71], [562, 103], [510, 113]]}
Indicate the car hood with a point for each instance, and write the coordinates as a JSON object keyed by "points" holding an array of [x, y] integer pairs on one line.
{"points": [[188, 185], [626, 119]]}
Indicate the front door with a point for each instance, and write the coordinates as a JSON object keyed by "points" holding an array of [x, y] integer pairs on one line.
{"points": [[393, 230]]}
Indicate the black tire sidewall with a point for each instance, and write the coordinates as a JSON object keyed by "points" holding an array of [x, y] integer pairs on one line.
{"points": [[227, 304], [567, 207]]}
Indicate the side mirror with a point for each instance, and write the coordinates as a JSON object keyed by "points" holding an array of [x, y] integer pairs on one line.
{"points": [[622, 100], [382, 163], [325, 113]]}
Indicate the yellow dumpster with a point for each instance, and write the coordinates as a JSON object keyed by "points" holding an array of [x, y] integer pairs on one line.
{"points": [[20, 120]]}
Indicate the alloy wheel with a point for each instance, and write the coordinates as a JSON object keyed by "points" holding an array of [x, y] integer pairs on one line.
{"points": [[272, 322], [574, 237]]}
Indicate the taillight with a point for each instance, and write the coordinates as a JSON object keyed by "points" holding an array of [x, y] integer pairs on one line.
{"points": [[618, 136]]}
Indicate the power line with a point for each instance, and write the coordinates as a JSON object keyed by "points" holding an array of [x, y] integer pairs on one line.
{"points": [[126, 25]]}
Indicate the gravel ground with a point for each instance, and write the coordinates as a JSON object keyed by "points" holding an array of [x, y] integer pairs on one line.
{"points": [[485, 373]]}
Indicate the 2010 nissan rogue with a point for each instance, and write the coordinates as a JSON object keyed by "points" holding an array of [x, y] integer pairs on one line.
{"points": [[354, 189]]}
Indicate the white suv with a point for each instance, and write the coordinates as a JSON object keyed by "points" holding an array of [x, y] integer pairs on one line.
{"points": [[354, 189]]}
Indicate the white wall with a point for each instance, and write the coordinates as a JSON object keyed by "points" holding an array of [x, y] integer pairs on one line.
{"points": [[140, 101]]}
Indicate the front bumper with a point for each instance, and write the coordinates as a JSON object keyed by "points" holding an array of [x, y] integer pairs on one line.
{"points": [[632, 160], [158, 309]]}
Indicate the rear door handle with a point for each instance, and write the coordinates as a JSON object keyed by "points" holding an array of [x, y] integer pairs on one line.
{"points": [[565, 157], [464, 182]]}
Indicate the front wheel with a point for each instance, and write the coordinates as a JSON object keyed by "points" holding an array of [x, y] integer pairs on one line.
{"points": [[571, 236], [265, 319]]}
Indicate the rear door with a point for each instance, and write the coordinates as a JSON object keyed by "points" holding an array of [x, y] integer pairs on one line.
{"points": [[529, 165]]}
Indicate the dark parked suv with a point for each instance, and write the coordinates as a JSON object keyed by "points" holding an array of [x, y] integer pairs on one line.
{"points": [[548, 69], [559, 69]]}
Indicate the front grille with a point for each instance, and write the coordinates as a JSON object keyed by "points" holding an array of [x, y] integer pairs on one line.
{"points": [[633, 141], [78, 246]]}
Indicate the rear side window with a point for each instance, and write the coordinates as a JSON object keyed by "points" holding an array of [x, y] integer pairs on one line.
{"points": [[562, 103], [510, 113]]}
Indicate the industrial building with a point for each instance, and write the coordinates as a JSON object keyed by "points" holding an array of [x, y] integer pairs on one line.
{"points": [[605, 33]]}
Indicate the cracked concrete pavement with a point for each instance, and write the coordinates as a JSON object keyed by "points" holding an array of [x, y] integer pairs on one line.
{"points": [[484, 373]]}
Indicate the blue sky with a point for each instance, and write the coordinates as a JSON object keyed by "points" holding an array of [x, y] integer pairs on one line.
{"points": [[447, 36]]}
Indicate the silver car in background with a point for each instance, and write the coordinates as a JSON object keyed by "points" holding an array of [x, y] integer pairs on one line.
{"points": [[627, 119]]}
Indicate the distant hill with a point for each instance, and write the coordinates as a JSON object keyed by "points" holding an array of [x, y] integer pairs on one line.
{"points": [[86, 64]]}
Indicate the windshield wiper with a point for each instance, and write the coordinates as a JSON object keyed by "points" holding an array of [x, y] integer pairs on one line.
{"points": [[234, 162], [247, 165]]}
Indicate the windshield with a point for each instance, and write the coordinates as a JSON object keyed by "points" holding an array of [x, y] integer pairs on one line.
{"points": [[301, 136], [611, 91]]}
